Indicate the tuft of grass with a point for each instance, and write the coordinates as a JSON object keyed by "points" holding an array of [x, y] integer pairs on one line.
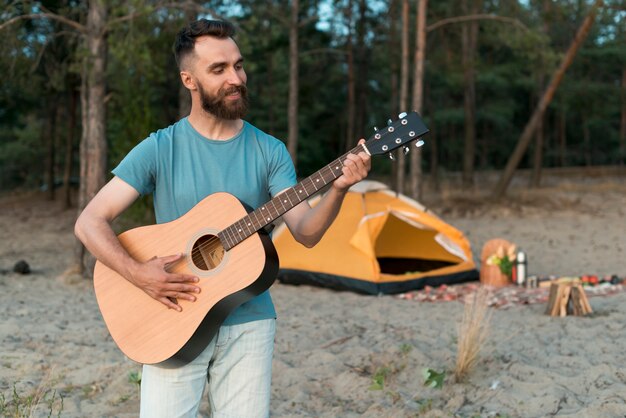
{"points": [[378, 379], [28, 405], [405, 348], [472, 333], [425, 405], [134, 378]]}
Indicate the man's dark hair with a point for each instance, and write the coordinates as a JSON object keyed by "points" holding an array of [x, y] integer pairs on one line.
{"points": [[186, 38]]}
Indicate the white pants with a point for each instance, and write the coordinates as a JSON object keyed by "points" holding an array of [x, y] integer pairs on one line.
{"points": [[237, 365]]}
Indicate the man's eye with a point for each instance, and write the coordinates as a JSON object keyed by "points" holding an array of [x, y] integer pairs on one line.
{"points": [[218, 71]]}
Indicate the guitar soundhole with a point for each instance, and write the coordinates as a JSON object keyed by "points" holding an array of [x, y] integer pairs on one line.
{"points": [[207, 253]]}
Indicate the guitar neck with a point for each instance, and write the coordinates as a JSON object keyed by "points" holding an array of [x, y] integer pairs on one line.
{"points": [[279, 205]]}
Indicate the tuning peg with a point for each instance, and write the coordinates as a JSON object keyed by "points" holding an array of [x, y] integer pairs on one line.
{"points": [[402, 115], [406, 150], [419, 143], [391, 157], [389, 122], [375, 129]]}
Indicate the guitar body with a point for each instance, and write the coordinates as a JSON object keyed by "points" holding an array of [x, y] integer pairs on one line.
{"points": [[145, 329]]}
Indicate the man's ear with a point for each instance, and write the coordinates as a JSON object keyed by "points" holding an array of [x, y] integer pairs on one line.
{"points": [[188, 80]]}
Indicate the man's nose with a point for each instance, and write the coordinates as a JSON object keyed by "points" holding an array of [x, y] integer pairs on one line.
{"points": [[235, 78]]}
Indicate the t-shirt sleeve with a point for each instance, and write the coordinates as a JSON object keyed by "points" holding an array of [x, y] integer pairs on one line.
{"points": [[282, 173], [138, 168]]}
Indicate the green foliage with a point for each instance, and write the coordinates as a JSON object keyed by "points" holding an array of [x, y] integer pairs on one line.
{"points": [[134, 377], [405, 349], [433, 378], [378, 379], [143, 81], [20, 154], [41, 61]]}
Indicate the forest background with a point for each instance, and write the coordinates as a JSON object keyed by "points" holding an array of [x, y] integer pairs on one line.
{"points": [[501, 84]]}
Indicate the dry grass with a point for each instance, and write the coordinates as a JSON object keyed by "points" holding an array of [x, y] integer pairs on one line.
{"points": [[472, 333], [42, 401]]}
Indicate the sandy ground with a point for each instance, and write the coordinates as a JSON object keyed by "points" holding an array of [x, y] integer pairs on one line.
{"points": [[331, 346]]}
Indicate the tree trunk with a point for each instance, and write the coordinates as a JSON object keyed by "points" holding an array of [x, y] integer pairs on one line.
{"points": [[416, 185], [531, 126], [432, 143], [586, 141], [362, 66], [49, 136], [535, 178], [484, 147], [622, 128], [469, 37], [292, 137], [79, 249], [392, 58], [271, 116], [93, 140], [347, 145], [563, 137], [69, 150], [404, 90]]}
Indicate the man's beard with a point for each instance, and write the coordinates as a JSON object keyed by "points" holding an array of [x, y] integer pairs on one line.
{"points": [[223, 108]]}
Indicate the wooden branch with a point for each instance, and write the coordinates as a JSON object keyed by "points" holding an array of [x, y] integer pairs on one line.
{"points": [[337, 341], [546, 98], [81, 28], [126, 18], [55, 35], [468, 18], [186, 5]]}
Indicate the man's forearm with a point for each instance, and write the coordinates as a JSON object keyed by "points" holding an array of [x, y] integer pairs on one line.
{"points": [[318, 219], [101, 241]]}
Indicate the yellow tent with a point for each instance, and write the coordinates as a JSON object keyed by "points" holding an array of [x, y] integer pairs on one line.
{"points": [[380, 243]]}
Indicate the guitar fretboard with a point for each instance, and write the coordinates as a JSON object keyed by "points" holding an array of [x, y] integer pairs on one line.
{"points": [[279, 205]]}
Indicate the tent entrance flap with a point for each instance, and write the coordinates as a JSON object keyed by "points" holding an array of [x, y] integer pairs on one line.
{"points": [[410, 248]]}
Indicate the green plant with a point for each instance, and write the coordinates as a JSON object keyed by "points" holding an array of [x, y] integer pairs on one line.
{"points": [[135, 379], [433, 378], [378, 379], [425, 405], [405, 348], [505, 260]]}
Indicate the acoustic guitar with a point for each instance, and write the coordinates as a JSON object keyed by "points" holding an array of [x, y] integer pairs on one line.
{"points": [[227, 248]]}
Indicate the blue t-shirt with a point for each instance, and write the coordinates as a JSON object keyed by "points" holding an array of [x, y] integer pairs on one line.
{"points": [[181, 167]]}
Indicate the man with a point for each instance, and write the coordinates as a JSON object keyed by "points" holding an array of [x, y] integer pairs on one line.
{"points": [[211, 150]]}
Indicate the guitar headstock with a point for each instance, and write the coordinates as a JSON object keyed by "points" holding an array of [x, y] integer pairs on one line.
{"points": [[407, 128]]}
